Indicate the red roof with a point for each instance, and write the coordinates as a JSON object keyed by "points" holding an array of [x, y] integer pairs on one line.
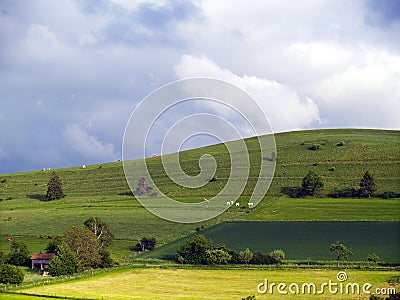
{"points": [[42, 256]]}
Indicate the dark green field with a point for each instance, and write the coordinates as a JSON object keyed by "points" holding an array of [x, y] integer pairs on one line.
{"points": [[302, 240]]}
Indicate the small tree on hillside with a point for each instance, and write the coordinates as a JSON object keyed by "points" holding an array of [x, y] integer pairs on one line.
{"points": [[341, 250], [311, 184], [85, 246], [194, 251], [64, 262], [100, 230], [367, 185], [54, 188], [19, 255]]}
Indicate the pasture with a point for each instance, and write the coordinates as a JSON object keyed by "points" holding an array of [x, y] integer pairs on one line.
{"points": [[177, 283], [101, 190], [302, 240]]}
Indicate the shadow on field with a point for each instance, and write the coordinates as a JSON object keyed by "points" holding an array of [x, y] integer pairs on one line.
{"points": [[37, 197], [291, 191], [126, 194]]}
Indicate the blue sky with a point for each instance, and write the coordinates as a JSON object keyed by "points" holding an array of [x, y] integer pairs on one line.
{"points": [[72, 72]]}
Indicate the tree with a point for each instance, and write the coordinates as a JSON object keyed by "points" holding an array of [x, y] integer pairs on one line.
{"points": [[367, 185], [194, 251], [143, 187], [245, 256], [341, 250], [85, 246], [373, 258], [64, 262], [19, 255], [54, 245], [311, 184], [100, 230], [54, 188], [146, 244], [11, 274], [276, 256], [217, 257]]}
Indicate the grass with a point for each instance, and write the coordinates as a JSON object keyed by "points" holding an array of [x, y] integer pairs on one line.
{"points": [[102, 191], [176, 283], [301, 240], [326, 209]]}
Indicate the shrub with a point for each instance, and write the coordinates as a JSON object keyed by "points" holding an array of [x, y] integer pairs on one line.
{"points": [[347, 192], [373, 258], [341, 143], [217, 257], [332, 169], [11, 274], [260, 259], [194, 251], [19, 255], [311, 184], [276, 256], [64, 262], [245, 256], [314, 147], [389, 195]]}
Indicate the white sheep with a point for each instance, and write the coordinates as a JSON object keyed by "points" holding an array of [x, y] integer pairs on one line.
{"points": [[250, 204], [228, 203], [237, 204], [232, 202], [83, 166]]}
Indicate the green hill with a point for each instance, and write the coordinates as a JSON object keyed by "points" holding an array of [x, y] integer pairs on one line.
{"points": [[101, 190]]}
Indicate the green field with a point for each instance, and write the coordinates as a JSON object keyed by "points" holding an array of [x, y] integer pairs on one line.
{"points": [[159, 283], [102, 191], [302, 240]]}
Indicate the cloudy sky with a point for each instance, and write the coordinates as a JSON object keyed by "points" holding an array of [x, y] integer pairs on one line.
{"points": [[72, 72]]}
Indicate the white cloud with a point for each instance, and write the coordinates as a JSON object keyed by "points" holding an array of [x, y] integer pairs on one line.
{"points": [[283, 106], [86, 146]]}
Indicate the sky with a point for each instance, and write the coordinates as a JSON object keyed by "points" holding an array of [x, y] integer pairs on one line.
{"points": [[72, 72]]}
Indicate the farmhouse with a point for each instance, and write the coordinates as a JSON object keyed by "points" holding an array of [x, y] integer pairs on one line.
{"points": [[40, 261]]}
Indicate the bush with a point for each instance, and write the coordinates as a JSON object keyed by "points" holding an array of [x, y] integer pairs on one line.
{"points": [[260, 259], [217, 257], [314, 147], [64, 262], [276, 256], [245, 256], [11, 274], [311, 184], [373, 258], [194, 251], [341, 143], [19, 255], [390, 195], [54, 188], [345, 193]]}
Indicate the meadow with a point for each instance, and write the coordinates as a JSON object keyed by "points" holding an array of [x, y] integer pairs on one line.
{"points": [[101, 190], [178, 283]]}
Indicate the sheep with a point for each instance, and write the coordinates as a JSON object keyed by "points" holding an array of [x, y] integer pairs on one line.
{"points": [[237, 204], [228, 203], [83, 166], [250, 204], [232, 202]]}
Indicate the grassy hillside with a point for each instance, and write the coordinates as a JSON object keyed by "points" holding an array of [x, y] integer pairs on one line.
{"points": [[101, 190]]}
